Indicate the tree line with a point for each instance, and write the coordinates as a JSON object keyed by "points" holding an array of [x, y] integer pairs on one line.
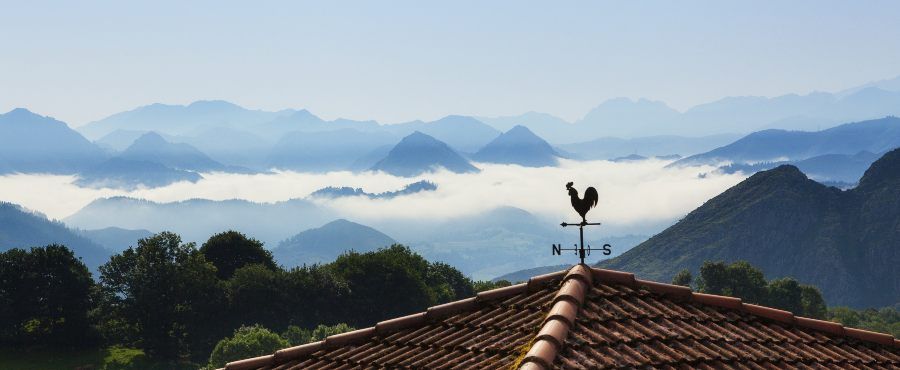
{"points": [[176, 301]]}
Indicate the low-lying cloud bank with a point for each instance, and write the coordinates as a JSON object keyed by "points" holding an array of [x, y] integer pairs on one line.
{"points": [[634, 196]]}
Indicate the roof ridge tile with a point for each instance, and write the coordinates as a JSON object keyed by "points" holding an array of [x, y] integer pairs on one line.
{"points": [[500, 292], [554, 330]]}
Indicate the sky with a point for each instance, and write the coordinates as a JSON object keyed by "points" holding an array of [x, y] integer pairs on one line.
{"points": [[396, 61]]}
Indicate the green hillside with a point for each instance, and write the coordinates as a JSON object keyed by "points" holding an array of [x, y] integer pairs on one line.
{"points": [[845, 242]]}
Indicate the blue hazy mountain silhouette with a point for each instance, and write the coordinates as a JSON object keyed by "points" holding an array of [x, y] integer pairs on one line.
{"points": [[119, 140], [628, 118], [518, 146], [418, 153], [462, 133], [151, 147], [612, 147], [305, 121], [198, 219], [115, 239], [325, 243], [20, 228], [876, 136], [346, 191], [325, 150], [831, 169], [119, 173], [180, 119], [547, 126], [34, 143]]}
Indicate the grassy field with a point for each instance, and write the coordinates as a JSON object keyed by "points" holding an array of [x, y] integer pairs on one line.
{"points": [[112, 358]]}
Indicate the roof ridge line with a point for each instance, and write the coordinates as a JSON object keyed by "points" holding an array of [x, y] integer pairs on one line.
{"points": [[786, 317], [551, 337], [391, 325]]}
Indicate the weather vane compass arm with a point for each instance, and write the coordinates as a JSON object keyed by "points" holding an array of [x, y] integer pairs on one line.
{"points": [[582, 206]]}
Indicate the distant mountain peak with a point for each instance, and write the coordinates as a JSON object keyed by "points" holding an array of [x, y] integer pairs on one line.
{"points": [[21, 112], [418, 153], [885, 169], [518, 146]]}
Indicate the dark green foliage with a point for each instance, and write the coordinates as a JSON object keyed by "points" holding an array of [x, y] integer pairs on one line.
{"points": [[885, 320], [482, 285], [232, 250], [297, 336], [163, 294], [744, 281], [390, 282], [843, 242], [247, 342], [683, 278], [738, 279], [45, 297], [448, 283]]}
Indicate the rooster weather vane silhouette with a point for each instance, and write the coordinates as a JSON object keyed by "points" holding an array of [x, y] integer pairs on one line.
{"points": [[582, 206]]}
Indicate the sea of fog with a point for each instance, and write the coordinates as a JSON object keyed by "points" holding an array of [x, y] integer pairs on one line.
{"points": [[634, 196]]}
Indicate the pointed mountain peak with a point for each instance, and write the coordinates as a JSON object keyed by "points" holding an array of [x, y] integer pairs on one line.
{"points": [[150, 139], [19, 113], [885, 169], [518, 146], [418, 153]]}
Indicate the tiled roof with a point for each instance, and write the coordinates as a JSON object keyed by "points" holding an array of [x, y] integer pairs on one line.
{"points": [[588, 318]]}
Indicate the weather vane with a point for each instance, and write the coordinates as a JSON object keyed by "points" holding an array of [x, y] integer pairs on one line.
{"points": [[582, 206]]}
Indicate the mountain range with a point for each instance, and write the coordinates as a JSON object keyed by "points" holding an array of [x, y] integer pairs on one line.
{"points": [[844, 242], [324, 244], [419, 153], [198, 219], [875, 136], [38, 144], [20, 228]]}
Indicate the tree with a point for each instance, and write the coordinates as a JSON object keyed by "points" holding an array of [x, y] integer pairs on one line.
{"points": [[683, 278], [45, 297], [389, 282], [166, 294], [298, 336], [482, 285], [448, 283], [739, 279], [247, 342], [231, 250], [742, 280], [258, 295]]}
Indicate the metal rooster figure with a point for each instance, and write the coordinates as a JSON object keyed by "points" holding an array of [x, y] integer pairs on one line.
{"points": [[582, 206]]}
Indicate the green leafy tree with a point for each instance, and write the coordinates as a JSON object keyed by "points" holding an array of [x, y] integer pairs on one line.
{"points": [[45, 297], [739, 279], [683, 278], [742, 280], [249, 286], [386, 283], [447, 283], [482, 285], [298, 336], [884, 320], [247, 342], [231, 250], [165, 294]]}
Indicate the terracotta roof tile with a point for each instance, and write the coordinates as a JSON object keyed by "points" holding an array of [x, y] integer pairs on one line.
{"points": [[587, 318]]}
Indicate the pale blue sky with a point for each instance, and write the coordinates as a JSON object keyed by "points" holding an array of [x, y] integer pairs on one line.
{"points": [[403, 60]]}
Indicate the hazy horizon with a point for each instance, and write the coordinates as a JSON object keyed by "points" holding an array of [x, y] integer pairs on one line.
{"points": [[424, 61]]}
